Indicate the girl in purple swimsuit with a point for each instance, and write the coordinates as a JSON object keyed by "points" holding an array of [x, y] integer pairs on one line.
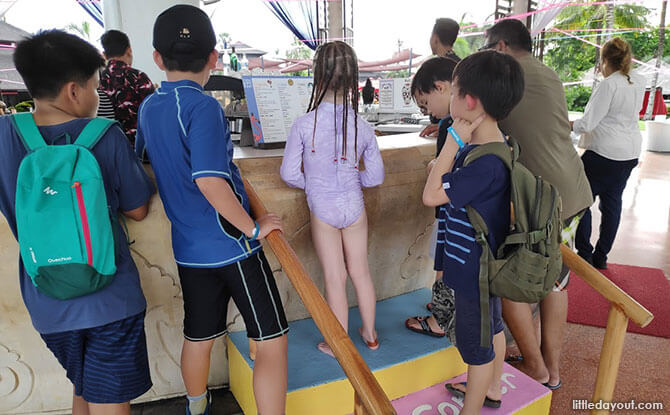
{"points": [[328, 142]]}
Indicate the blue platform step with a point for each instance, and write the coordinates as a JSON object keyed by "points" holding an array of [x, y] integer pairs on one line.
{"points": [[405, 363]]}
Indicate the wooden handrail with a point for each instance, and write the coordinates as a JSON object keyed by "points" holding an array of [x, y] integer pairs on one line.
{"points": [[368, 392], [615, 295], [622, 308]]}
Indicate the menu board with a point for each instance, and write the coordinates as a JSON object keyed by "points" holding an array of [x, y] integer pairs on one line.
{"points": [[395, 95], [274, 102]]}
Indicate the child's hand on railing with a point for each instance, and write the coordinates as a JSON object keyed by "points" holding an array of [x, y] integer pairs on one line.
{"points": [[268, 223]]}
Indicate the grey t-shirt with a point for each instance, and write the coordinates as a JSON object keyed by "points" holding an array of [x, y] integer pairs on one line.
{"points": [[540, 125]]}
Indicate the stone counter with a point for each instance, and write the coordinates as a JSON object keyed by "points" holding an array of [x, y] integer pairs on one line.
{"points": [[32, 381]]}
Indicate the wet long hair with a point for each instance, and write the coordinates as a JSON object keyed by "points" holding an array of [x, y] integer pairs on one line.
{"points": [[336, 69]]}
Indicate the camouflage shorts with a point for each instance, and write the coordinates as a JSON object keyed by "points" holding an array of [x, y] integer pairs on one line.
{"points": [[444, 309]]}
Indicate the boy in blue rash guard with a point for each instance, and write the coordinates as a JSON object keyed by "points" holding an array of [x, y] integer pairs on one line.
{"points": [[486, 86], [214, 239]]}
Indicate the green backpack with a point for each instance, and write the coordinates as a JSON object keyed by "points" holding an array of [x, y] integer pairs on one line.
{"points": [[63, 220], [528, 261]]}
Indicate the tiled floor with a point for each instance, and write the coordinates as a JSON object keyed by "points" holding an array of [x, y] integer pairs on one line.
{"points": [[223, 403], [643, 239], [644, 375]]}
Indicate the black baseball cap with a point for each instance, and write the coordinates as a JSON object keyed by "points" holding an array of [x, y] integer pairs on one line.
{"points": [[184, 32]]}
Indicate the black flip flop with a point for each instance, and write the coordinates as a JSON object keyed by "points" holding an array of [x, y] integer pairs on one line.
{"points": [[514, 358], [425, 328], [553, 387], [488, 402]]}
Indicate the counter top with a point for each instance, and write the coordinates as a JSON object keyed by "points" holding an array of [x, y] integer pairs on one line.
{"points": [[386, 142]]}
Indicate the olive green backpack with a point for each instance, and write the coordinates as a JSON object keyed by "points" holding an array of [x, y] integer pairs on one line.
{"points": [[528, 262]]}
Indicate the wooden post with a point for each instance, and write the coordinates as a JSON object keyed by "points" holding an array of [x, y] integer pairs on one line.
{"points": [[610, 357]]}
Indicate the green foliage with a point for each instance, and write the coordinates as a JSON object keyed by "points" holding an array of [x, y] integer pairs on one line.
{"points": [[403, 73], [645, 44], [224, 40], [570, 58], [299, 50], [468, 45], [83, 30], [461, 48], [577, 96], [25, 106]]}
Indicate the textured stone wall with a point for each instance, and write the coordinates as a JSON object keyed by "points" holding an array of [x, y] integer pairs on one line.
{"points": [[32, 381]]}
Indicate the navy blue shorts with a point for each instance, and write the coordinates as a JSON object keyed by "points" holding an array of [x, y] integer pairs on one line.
{"points": [[468, 328], [106, 364]]}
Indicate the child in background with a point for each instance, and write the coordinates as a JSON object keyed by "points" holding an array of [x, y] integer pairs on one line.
{"points": [[97, 338], [327, 143], [215, 241], [435, 75], [486, 86]]}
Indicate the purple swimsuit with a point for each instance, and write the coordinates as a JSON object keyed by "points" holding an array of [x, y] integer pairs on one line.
{"points": [[331, 182]]}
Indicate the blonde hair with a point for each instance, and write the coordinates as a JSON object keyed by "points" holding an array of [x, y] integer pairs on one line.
{"points": [[619, 55]]}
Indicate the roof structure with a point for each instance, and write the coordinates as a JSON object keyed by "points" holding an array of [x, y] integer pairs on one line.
{"points": [[242, 48], [11, 34], [10, 80]]}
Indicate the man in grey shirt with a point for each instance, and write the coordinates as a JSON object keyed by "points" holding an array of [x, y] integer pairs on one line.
{"points": [[540, 125]]}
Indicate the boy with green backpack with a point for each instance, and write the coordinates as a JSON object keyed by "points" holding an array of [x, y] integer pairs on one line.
{"points": [[64, 179], [501, 225]]}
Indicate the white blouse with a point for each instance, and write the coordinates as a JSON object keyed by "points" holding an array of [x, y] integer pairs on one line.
{"points": [[609, 126]]}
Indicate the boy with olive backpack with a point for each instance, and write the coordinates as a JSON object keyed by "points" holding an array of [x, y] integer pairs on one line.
{"points": [[64, 179], [501, 225]]}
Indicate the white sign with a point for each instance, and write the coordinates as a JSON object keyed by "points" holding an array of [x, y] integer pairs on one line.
{"points": [[395, 95], [274, 102]]}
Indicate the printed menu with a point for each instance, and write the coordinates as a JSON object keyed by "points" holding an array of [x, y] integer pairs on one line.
{"points": [[274, 102]]}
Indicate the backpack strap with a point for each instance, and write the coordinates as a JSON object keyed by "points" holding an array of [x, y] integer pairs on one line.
{"points": [[93, 132], [503, 151], [27, 131], [481, 231]]}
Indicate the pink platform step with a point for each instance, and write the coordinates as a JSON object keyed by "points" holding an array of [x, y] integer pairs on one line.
{"points": [[519, 391]]}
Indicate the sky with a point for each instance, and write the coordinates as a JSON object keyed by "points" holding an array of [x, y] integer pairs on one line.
{"points": [[378, 24]]}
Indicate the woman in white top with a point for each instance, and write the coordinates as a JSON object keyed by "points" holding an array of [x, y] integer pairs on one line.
{"points": [[611, 136]]}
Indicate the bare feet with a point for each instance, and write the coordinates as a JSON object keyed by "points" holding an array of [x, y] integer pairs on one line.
{"points": [[536, 371], [324, 348]]}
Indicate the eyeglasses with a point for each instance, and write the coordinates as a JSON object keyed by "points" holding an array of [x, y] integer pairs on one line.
{"points": [[487, 46]]}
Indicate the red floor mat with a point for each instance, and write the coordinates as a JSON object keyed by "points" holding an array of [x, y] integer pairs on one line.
{"points": [[648, 286]]}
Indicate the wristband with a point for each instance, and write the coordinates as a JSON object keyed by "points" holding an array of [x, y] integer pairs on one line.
{"points": [[257, 230], [455, 136]]}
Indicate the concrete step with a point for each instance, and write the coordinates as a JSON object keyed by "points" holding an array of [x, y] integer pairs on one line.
{"points": [[405, 363]]}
